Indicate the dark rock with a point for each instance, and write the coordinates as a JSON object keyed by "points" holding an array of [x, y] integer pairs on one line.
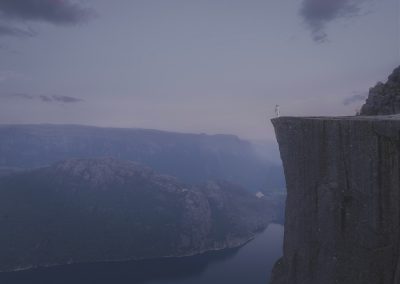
{"points": [[384, 99], [342, 221]]}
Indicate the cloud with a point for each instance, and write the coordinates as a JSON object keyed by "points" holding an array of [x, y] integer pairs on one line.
{"points": [[355, 98], [43, 98], [6, 30], [66, 99], [57, 12], [60, 99], [9, 74], [51, 11], [19, 96], [318, 13]]}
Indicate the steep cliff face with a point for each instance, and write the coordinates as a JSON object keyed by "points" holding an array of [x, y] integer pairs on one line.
{"points": [[343, 203]]}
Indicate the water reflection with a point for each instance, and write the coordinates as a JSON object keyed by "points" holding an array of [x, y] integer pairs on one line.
{"points": [[248, 264]]}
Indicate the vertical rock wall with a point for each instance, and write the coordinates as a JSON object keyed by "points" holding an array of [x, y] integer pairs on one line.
{"points": [[343, 204]]}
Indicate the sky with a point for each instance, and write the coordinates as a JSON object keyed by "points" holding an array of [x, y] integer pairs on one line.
{"points": [[204, 66]]}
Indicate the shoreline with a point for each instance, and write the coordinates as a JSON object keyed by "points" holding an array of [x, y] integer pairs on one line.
{"points": [[193, 254]]}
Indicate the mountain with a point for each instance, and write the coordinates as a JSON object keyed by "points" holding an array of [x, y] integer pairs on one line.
{"points": [[104, 209], [384, 98], [193, 158]]}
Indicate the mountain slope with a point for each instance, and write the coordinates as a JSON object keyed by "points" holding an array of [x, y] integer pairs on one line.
{"points": [[87, 210], [193, 158]]}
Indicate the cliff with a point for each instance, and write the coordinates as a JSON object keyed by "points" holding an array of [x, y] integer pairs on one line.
{"points": [[343, 204]]}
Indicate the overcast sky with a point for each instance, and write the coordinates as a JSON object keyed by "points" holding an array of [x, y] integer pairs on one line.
{"points": [[213, 66]]}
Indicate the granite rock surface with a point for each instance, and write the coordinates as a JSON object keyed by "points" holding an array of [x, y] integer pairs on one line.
{"points": [[342, 221]]}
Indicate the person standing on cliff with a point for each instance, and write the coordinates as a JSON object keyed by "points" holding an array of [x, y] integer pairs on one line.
{"points": [[277, 111]]}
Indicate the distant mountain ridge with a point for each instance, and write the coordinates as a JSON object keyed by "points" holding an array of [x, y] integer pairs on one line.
{"points": [[193, 158], [104, 209]]}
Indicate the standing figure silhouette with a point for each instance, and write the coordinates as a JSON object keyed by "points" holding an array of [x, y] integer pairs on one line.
{"points": [[277, 111]]}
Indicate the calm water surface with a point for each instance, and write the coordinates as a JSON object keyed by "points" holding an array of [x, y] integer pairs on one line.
{"points": [[250, 264]]}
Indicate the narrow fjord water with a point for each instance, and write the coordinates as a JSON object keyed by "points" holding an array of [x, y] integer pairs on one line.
{"points": [[252, 264]]}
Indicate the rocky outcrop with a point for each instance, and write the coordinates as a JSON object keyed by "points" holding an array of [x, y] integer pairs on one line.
{"points": [[343, 205], [384, 98], [104, 209]]}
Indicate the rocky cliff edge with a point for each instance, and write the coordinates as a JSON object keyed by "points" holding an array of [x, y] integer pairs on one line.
{"points": [[343, 203]]}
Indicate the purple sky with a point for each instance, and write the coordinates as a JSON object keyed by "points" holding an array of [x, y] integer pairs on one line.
{"points": [[209, 66]]}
